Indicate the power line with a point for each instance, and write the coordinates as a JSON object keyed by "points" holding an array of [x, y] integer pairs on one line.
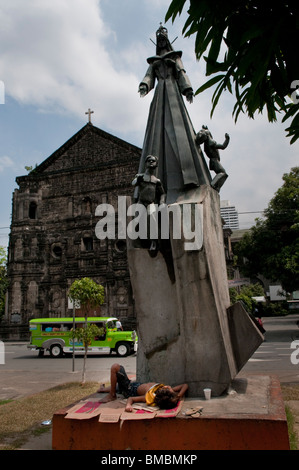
{"points": [[252, 212]]}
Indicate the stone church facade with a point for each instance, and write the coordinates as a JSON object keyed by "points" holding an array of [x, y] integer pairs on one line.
{"points": [[52, 238]]}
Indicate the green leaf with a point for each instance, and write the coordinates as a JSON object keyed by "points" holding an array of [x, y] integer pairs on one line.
{"points": [[241, 98], [215, 47], [214, 67], [174, 9], [221, 87], [292, 109], [209, 83]]}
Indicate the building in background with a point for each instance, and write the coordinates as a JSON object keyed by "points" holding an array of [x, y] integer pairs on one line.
{"points": [[230, 215], [52, 235]]}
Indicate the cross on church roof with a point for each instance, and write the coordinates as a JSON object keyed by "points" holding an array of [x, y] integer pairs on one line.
{"points": [[89, 112]]}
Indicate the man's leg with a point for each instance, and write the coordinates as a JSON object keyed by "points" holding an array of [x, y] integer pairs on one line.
{"points": [[113, 382]]}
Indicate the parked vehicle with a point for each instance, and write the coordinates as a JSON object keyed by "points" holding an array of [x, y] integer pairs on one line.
{"points": [[54, 335]]}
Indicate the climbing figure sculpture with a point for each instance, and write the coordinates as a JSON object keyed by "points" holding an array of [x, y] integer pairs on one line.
{"points": [[211, 149]]}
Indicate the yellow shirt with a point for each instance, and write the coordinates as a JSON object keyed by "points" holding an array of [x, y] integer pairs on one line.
{"points": [[151, 394]]}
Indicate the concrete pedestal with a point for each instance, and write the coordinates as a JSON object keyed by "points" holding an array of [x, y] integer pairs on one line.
{"points": [[181, 299], [250, 417]]}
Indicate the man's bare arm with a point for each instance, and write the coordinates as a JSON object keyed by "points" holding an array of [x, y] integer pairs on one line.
{"points": [[181, 389], [132, 400]]}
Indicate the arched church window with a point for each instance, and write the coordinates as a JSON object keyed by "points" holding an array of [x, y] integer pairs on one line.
{"points": [[88, 243], [121, 246], [86, 205], [57, 250], [32, 210]]}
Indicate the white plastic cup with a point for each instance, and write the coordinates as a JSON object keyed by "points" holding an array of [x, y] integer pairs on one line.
{"points": [[207, 392]]}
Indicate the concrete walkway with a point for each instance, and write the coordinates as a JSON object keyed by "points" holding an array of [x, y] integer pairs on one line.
{"points": [[42, 442]]}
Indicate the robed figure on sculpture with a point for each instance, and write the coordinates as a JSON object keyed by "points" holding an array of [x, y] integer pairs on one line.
{"points": [[169, 132]]}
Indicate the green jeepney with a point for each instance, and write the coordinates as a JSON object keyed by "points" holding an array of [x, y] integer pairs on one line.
{"points": [[54, 335]]}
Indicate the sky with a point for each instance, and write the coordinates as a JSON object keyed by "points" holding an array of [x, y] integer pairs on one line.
{"points": [[60, 57]]}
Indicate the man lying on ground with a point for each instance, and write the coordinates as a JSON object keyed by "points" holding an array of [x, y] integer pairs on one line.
{"points": [[153, 394]]}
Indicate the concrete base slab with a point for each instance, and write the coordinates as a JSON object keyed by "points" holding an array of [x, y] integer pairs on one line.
{"points": [[251, 416], [181, 298]]}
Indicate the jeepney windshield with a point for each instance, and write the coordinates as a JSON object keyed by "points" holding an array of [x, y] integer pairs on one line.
{"points": [[111, 324]]}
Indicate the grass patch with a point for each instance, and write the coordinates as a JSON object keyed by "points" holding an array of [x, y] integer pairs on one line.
{"points": [[291, 428], [3, 402], [21, 418], [290, 392], [290, 395]]}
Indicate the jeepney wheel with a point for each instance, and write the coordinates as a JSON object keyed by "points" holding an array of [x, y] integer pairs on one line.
{"points": [[122, 349], [56, 350]]}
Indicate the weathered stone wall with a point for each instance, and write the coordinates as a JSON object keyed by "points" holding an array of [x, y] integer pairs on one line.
{"points": [[52, 239]]}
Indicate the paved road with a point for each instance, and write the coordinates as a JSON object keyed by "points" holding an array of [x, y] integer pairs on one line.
{"points": [[274, 354], [24, 373]]}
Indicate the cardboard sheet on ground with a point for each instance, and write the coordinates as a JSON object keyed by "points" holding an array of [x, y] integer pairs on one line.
{"points": [[84, 410], [115, 410], [170, 413], [110, 412], [149, 412], [138, 415]]}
